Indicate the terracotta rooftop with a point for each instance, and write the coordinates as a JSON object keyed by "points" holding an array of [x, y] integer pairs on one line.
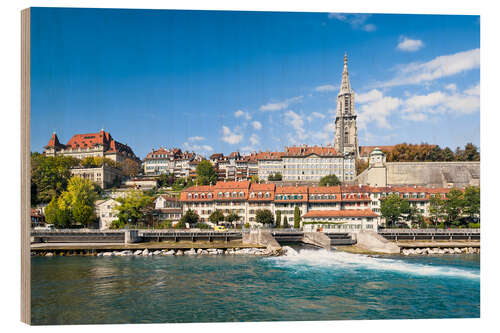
{"points": [[309, 150]]}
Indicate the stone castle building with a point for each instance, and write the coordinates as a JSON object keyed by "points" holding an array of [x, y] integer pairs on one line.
{"points": [[346, 130]]}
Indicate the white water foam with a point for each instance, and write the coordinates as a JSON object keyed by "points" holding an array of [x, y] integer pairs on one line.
{"points": [[349, 261]]}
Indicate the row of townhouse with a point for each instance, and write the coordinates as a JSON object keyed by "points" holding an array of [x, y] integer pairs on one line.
{"points": [[174, 161], [298, 163], [337, 206]]}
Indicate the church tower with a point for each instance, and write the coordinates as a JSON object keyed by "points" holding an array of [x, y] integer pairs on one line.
{"points": [[346, 130]]}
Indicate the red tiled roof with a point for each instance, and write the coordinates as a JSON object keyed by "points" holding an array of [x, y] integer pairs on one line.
{"points": [[269, 155], [91, 140], [324, 189], [291, 189], [341, 213], [309, 150]]}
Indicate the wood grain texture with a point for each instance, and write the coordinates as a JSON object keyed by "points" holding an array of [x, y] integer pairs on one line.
{"points": [[25, 167]]}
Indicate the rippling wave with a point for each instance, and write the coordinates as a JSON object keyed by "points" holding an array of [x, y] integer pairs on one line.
{"points": [[346, 261]]}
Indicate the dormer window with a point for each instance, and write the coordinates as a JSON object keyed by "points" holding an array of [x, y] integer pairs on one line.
{"points": [[189, 195], [259, 194], [252, 195], [226, 194], [209, 195], [219, 194], [242, 194], [203, 195], [235, 194], [196, 195], [267, 195]]}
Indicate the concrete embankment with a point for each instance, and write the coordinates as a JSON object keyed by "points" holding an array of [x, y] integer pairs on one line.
{"points": [[263, 238], [370, 241], [318, 239]]}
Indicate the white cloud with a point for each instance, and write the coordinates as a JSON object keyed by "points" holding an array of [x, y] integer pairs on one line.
{"points": [[254, 139], [326, 134], [439, 67], [196, 138], [451, 86], [297, 122], [415, 116], [409, 45], [325, 88], [197, 148], [276, 106], [474, 91], [241, 113], [443, 103], [356, 21], [376, 107], [256, 125], [231, 137], [314, 115]]}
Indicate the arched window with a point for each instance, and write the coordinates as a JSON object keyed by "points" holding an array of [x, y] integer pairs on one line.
{"points": [[346, 135], [203, 195], [259, 194], [235, 194], [267, 195], [220, 194], [252, 195], [226, 194], [209, 195], [196, 195], [189, 195]]}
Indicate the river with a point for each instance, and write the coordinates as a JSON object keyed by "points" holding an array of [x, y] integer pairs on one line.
{"points": [[307, 285]]}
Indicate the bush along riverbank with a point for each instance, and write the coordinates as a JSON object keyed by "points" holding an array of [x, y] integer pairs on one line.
{"points": [[163, 252], [435, 250]]}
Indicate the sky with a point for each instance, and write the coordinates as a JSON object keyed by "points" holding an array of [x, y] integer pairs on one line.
{"points": [[223, 81]]}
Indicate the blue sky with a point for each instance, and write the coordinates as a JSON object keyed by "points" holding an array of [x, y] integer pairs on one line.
{"points": [[213, 81]]}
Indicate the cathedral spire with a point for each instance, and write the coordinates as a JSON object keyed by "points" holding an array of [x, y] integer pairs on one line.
{"points": [[345, 86]]}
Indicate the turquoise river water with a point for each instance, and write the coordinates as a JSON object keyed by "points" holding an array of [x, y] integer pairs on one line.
{"points": [[308, 285]]}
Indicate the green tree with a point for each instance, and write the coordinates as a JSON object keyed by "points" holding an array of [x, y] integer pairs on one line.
{"points": [[216, 216], [392, 207], [296, 217], [285, 222], [330, 180], [49, 176], [471, 153], [264, 216], [190, 217], [232, 217], [133, 207], [181, 183], [278, 219], [52, 211], [436, 209], [453, 206], [472, 202], [166, 180], [254, 179], [448, 155], [205, 173], [361, 166], [275, 177]]}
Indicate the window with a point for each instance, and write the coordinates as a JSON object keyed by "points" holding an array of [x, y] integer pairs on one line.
{"points": [[346, 136], [220, 194], [242, 194], [235, 194]]}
